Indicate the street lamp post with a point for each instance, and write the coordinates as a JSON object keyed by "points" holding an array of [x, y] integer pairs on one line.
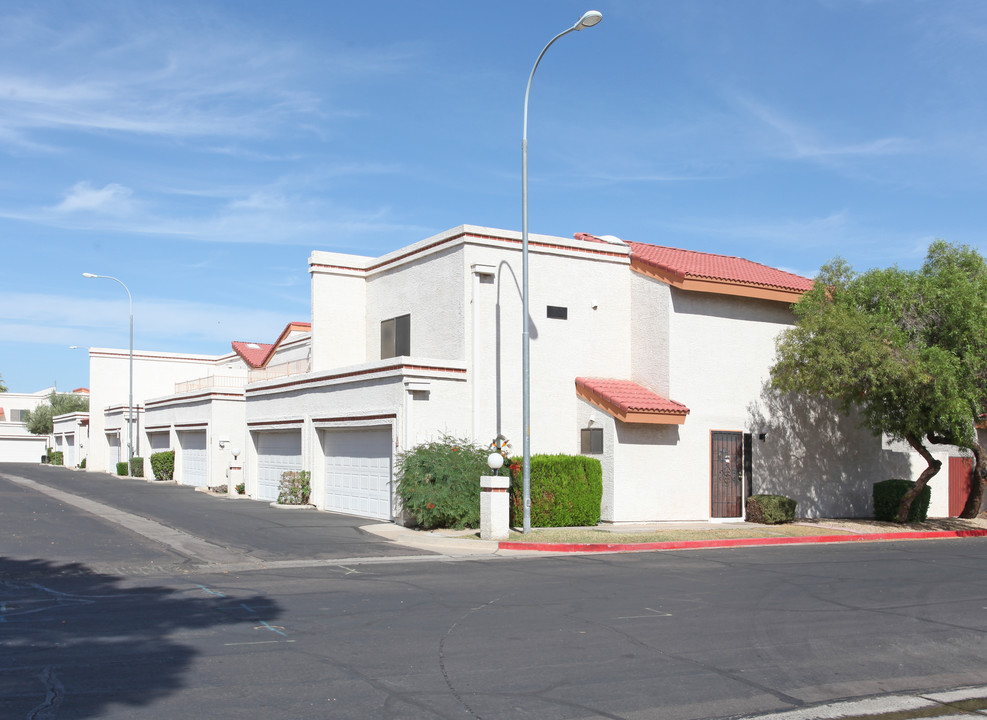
{"points": [[130, 400], [589, 19]]}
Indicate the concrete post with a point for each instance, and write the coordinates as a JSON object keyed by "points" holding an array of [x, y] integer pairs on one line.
{"points": [[494, 508], [235, 475]]}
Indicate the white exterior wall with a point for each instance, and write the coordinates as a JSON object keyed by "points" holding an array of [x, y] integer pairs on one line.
{"points": [[17, 444], [462, 289], [219, 412], [71, 431], [155, 375], [339, 310]]}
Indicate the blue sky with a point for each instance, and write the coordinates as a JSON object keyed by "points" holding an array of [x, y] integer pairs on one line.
{"points": [[199, 151]]}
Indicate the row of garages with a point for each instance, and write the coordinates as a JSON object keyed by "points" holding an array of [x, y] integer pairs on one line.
{"points": [[354, 477]]}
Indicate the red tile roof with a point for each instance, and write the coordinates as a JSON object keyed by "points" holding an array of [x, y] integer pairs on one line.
{"points": [[628, 400], [692, 264], [254, 354], [257, 355]]}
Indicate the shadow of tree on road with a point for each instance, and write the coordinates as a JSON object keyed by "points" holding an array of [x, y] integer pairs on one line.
{"points": [[73, 641]]}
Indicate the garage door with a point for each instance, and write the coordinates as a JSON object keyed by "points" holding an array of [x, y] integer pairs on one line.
{"points": [[113, 451], [277, 452], [193, 449], [69, 457], [358, 472], [159, 441]]}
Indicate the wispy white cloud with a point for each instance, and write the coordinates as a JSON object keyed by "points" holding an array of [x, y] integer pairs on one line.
{"points": [[111, 199], [178, 325], [150, 72], [795, 140]]}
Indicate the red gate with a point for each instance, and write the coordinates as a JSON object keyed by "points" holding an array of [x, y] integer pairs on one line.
{"points": [[960, 483]]}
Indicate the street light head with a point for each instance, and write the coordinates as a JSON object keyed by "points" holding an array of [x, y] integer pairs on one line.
{"points": [[588, 20], [89, 275]]}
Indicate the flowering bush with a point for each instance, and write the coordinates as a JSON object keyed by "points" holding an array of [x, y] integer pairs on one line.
{"points": [[295, 487], [439, 482]]}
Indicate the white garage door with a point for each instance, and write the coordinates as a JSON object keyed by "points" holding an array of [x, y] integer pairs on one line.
{"points": [[113, 451], [277, 452], [158, 441], [69, 457], [193, 449], [22, 449], [358, 472]]}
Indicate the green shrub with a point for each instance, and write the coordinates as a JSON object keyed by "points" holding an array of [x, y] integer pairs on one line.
{"points": [[887, 498], [122, 467], [566, 491], [57, 457], [770, 509], [137, 467], [82, 465], [439, 482], [163, 465], [295, 487], [241, 488]]}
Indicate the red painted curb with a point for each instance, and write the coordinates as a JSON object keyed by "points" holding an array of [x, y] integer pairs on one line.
{"points": [[737, 542]]}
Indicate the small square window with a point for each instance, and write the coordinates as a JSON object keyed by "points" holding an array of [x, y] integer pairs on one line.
{"points": [[591, 441], [558, 313], [395, 337]]}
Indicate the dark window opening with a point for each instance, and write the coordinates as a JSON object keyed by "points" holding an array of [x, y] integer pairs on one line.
{"points": [[395, 337], [558, 313], [591, 441]]}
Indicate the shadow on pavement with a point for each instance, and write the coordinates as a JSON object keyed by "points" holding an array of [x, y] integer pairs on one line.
{"points": [[73, 641]]}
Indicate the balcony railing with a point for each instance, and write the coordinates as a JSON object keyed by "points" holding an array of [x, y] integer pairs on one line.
{"points": [[272, 372], [211, 381]]}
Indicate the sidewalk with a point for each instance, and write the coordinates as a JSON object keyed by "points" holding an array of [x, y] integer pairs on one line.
{"points": [[677, 536]]}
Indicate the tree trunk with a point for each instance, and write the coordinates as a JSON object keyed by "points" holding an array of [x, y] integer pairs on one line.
{"points": [[923, 479], [976, 497]]}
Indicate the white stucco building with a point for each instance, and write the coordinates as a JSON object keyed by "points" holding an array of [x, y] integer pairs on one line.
{"points": [[17, 444], [71, 437], [654, 359]]}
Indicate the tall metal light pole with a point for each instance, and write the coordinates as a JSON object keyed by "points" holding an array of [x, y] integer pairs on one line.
{"points": [[589, 19], [130, 401]]}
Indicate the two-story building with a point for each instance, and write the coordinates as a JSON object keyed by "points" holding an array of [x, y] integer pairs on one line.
{"points": [[655, 359]]}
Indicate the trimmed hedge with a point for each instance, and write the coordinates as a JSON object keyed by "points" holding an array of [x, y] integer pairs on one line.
{"points": [[122, 467], [887, 498], [163, 465], [439, 482], [566, 491], [82, 465], [58, 457], [137, 467], [770, 509]]}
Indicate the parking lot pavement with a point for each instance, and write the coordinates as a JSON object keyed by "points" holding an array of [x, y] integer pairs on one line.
{"points": [[207, 528]]}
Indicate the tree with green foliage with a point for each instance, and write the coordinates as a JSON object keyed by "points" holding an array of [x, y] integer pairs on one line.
{"points": [[906, 349], [3, 388], [39, 420]]}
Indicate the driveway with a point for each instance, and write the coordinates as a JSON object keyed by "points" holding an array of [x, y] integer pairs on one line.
{"points": [[203, 527]]}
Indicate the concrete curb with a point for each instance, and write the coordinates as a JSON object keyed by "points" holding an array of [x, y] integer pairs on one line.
{"points": [[736, 542]]}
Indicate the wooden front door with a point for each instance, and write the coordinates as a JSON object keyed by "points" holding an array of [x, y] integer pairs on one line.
{"points": [[960, 483], [727, 474]]}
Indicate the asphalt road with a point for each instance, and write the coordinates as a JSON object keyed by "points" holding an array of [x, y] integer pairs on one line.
{"points": [[687, 634]]}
